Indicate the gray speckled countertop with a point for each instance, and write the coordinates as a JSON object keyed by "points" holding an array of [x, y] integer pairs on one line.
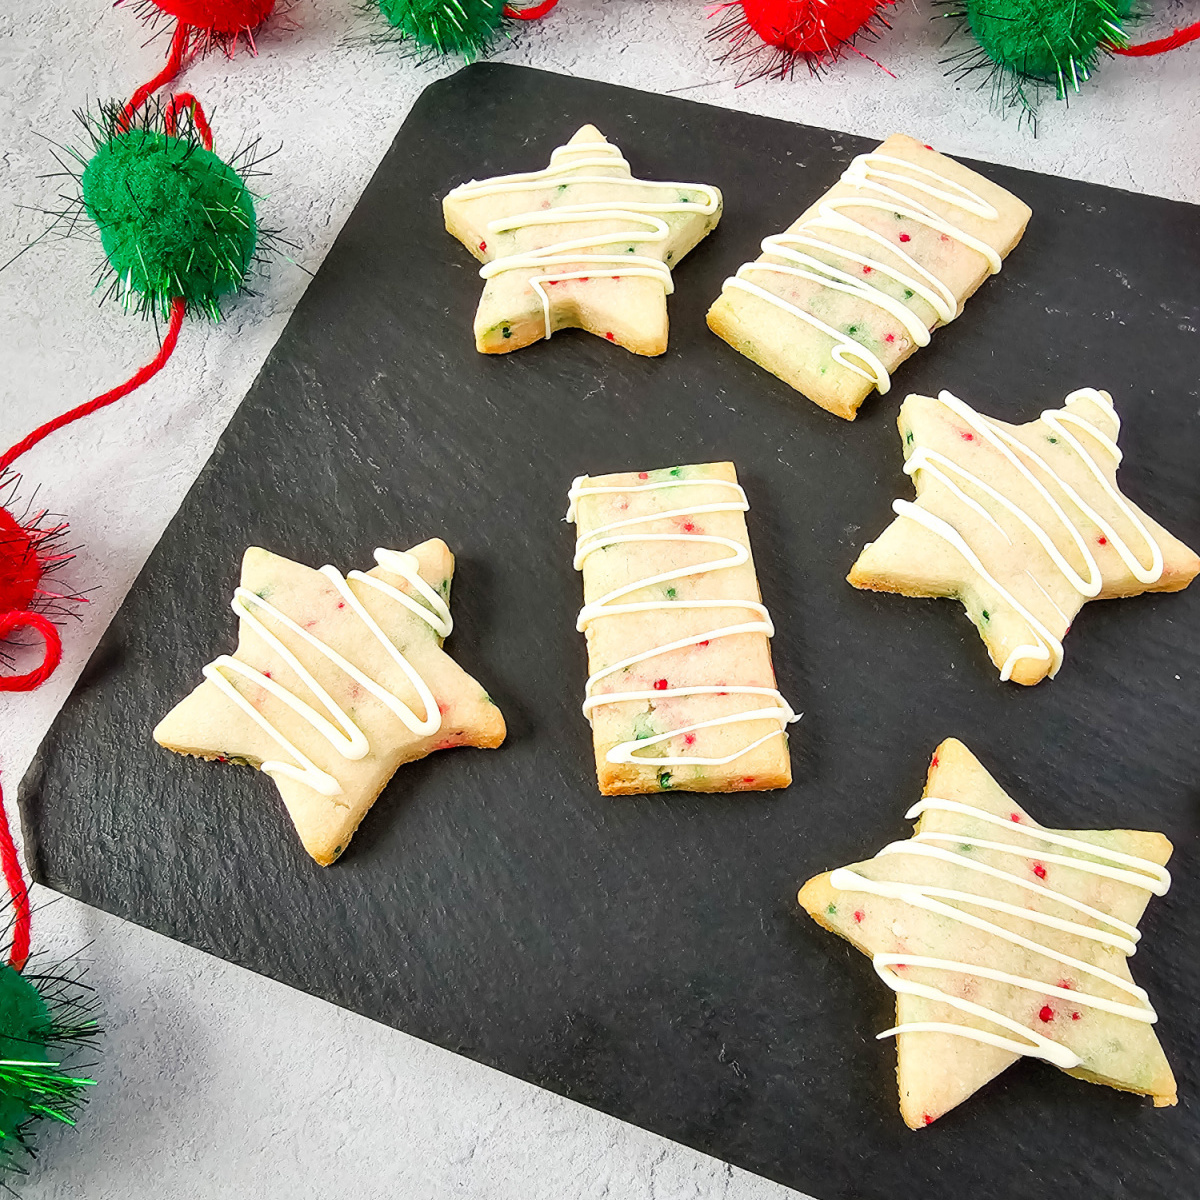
{"points": [[215, 1082]]}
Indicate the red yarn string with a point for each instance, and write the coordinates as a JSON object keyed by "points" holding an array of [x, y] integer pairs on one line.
{"points": [[82, 410], [50, 658], [182, 100], [531, 13], [10, 861], [1181, 37], [174, 62]]}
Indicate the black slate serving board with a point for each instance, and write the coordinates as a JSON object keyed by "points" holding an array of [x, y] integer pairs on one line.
{"points": [[646, 956]]}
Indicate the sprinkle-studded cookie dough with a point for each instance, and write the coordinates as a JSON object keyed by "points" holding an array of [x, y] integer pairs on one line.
{"points": [[838, 300], [337, 680], [682, 694], [1022, 523], [1003, 939], [581, 244]]}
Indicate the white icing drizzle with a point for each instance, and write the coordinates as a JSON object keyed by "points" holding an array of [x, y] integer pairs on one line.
{"points": [[607, 606], [346, 737], [864, 173], [1059, 496], [1120, 935], [648, 229]]}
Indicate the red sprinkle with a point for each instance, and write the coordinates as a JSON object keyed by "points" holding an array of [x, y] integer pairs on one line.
{"points": [[582, 279], [858, 915], [906, 237], [689, 527], [933, 762], [660, 685], [643, 474], [341, 604], [891, 337], [1065, 984], [1102, 541], [610, 337], [928, 146], [747, 778], [703, 643], [483, 245], [1039, 870], [266, 674], [1074, 1016], [927, 1118], [1014, 816], [967, 437], [945, 237], [1046, 1014], [689, 739], [866, 270]]}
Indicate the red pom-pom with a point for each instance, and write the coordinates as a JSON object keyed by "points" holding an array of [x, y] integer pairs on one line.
{"points": [[20, 564], [31, 549], [219, 17], [770, 37]]}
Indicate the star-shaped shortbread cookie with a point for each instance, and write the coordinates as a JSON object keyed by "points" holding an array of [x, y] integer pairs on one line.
{"points": [[1022, 523], [580, 244], [1002, 939], [336, 681]]}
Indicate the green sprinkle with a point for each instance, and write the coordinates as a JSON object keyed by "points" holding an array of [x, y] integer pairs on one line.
{"points": [[965, 847], [908, 438], [671, 593], [1052, 440], [562, 187], [263, 592], [909, 293], [852, 329], [670, 255], [675, 472], [664, 780], [631, 250], [823, 370], [337, 850], [987, 616], [507, 331], [898, 216], [445, 587], [685, 199], [831, 909]]}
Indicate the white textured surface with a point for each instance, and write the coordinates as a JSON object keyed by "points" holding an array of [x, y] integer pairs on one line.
{"points": [[216, 1082]]}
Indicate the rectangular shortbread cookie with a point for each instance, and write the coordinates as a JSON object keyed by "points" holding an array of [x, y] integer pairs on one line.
{"points": [[682, 694], [838, 300]]}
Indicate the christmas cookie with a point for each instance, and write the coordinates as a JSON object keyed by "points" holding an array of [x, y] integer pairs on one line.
{"points": [[336, 681], [580, 244], [1002, 939], [1022, 523], [682, 695], [836, 302]]}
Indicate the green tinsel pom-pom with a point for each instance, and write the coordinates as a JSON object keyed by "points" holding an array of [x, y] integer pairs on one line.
{"points": [[175, 220], [33, 1085], [1056, 41], [464, 27], [1022, 46]]}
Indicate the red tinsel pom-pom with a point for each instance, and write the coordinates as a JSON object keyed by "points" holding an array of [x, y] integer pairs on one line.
{"points": [[20, 564], [220, 17], [770, 37]]}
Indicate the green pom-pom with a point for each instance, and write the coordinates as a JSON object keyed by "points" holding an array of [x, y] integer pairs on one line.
{"points": [[1024, 46], [32, 1084], [464, 27], [175, 220], [1053, 41]]}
